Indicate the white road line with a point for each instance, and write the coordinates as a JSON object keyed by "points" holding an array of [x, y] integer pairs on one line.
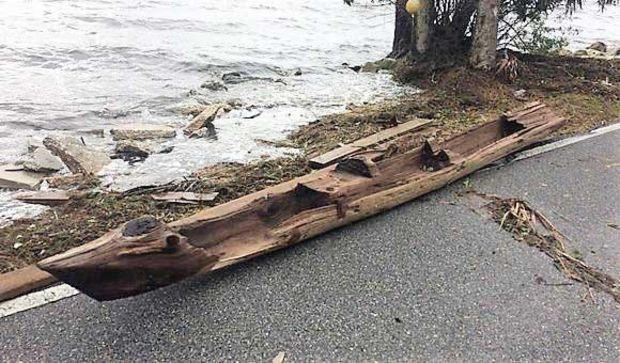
{"points": [[36, 299], [572, 140]]}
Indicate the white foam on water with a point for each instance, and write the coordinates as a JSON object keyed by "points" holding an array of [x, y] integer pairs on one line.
{"points": [[95, 64]]}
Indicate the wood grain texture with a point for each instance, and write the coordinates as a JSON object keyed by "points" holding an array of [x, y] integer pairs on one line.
{"points": [[22, 281], [122, 264], [333, 156]]}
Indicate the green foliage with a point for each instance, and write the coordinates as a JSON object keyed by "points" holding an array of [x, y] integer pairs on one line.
{"points": [[521, 24], [532, 35], [540, 39]]}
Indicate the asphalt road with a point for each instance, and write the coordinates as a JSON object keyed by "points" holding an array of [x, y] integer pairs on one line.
{"points": [[431, 280]]}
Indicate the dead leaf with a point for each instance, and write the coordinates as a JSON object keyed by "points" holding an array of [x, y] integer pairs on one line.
{"points": [[279, 358]]}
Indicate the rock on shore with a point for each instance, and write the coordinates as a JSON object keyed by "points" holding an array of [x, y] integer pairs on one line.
{"points": [[600, 46], [14, 177], [142, 132], [42, 161], [131, 149], [76, 156], [597, 50], [204, 118]]}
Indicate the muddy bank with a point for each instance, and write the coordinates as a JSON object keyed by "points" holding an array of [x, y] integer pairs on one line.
{"points": [[584, 90]]}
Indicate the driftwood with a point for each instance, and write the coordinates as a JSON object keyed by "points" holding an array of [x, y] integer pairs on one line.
{"points": [[333, 156], [184, 197], [24, 280], [50, 198], [145, 253]]}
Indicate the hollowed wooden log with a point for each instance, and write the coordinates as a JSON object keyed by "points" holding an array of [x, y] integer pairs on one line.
{"points": [[145, 254]]}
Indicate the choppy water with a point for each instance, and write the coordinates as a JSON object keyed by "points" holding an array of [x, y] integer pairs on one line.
{"points": [[67, 66], [590, 24], [77, 65]]}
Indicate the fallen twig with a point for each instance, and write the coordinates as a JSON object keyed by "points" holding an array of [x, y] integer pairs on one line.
{"points": [[525, 222]]}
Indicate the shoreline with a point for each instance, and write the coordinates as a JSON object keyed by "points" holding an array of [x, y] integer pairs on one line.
{"points": [[584, 90]]}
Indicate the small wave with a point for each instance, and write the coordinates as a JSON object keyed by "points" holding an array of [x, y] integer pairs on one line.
{"points": [[111, 22], [165, 24]]}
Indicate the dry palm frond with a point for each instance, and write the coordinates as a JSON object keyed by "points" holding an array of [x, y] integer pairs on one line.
{"points": [[508, 67], [534, 228]]}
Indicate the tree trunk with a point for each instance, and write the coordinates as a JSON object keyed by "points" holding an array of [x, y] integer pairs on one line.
{"points": [[484, 47], [423, 28], [145, 253], [402, 31]]}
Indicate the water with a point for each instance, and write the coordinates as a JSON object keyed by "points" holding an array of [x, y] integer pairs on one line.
{"points": [[67, 66], [591, 25], [70, 66]]}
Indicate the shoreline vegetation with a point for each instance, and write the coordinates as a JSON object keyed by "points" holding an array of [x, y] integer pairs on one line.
{"points": [[586, 91]]}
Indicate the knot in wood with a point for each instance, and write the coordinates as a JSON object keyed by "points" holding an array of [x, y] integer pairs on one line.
{"points": [[140, 226]]}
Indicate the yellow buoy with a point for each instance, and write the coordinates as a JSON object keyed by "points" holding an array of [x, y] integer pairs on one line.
{"points": [[413, 6]]}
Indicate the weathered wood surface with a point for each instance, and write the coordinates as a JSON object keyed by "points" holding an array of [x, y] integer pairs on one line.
{"points": [[50, 198], [333, 156], [184, 197], [15, 177], [145, 254], [25, 280]]}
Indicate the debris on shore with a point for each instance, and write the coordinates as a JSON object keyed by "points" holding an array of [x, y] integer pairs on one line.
{"points": [[49, 198], [41, 160], [131, 150], [595, 50], [77, 156], [73, 181], [530, 226], [141, 132], [15, 177], [185, 197], [204, 119], [455, 99]]}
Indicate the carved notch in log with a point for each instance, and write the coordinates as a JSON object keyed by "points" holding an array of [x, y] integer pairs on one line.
{"points": [[145, 254], [360, 145], [359, 165], [434, 158]]}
